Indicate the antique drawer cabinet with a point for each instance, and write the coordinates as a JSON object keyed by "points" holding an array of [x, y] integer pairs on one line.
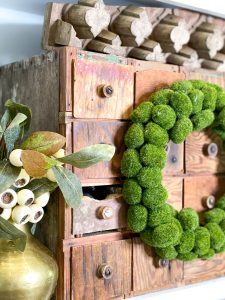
{"points": [[88, 98]]}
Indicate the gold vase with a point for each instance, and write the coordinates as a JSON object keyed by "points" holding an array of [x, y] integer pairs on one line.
{"points": [[28, 275]]}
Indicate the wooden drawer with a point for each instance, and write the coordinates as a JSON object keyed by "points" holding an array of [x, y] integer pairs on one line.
{"points": [[87, 283], [146, 275], [91, 132], [211, 76], [197, 159], [89, 100], [100, 215]]}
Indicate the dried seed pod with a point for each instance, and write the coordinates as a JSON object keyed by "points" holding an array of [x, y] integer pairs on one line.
{"points": [[37, 213], [43, 199], [21, 214], [15, 158], [50, 175], [5, 213], [59, 154], [22, 180], [8, 199], [25, 197]]}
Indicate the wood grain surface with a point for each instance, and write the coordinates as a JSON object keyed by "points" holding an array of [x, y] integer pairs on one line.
{"points": [[85, 261], [174, 186], [197, 161], [88, 101]]}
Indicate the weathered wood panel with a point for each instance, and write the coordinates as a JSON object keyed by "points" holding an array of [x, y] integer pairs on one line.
{"points": [[197, 159], [147, 276], [86, 284], [90, 80]]}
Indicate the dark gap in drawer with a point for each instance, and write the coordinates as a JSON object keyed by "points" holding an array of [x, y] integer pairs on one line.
{"points": [[101, 192]]}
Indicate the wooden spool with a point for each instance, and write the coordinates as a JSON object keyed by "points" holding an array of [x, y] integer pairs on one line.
{"points": [[132, 25], [66, 35]]}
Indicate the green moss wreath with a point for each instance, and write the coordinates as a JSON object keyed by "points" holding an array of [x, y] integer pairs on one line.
{"points": [[171, 114]]}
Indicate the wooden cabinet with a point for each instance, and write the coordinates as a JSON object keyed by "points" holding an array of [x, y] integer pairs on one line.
{"points": [[66, 90]]}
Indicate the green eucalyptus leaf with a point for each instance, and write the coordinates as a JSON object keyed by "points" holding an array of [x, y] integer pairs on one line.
{"points": [[9, 232], [19, 118], [89, 156], [15, 108], [11, 135], [40, 186], [8, 175], [46, 142], [69, 185], [5, 120]]}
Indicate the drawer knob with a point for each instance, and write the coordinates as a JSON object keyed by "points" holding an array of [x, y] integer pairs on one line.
{"points": [[212, 149], [106, 91], [162, 263], [105, 271], [105, 212], [210, 201]]}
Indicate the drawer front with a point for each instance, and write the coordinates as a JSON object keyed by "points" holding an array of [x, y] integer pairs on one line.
{"points": [[100, 215], [88, 268], [146, 275], [148, 81], [211, 76], [198, 158], [92, 96]]}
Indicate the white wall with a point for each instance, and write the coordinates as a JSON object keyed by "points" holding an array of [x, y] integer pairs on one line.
{"points": [[20, 37]]}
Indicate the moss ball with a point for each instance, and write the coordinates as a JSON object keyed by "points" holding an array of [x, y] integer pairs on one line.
{"points": [[182, 128], [217, 237], [221, 119], [208, 255], [187, 242], [173, 210], [202, 241], [217, 87], [130, 163], [187, 256], [132, 192], [220, 101], [166, 235], [210, 96], [181, 104], [188, 218], [149, 177], [196, 97], [184, 86], [160, 215], [134, 136], [146, 237], [203, 119], [167, 252], [198, 84], [137, 217], [142, 113], [156, 197], [153, 156], [215, 215], [161, 97], [221, 202], [156, 135], [164, 116], [221, 249]]}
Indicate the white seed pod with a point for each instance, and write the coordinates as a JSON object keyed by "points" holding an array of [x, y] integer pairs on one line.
{"points": [[5, 213], [43, 199], [22, 180], [21, 214], [37, 213], [25, 197], [50, 175], [8, 199], [15, 158], [59, 154]]}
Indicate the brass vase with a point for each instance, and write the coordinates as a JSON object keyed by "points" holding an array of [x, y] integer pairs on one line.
{"points": [[28, 275]]}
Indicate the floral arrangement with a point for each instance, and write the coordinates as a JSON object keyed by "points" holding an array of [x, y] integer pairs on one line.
{"points": [[171, 114], [31, 169]]}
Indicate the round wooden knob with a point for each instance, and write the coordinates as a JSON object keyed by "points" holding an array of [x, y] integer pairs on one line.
{"points": [[105, 271], [105, 212], [212, 149], [210, 201], [162, 263], [107, 91]]}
